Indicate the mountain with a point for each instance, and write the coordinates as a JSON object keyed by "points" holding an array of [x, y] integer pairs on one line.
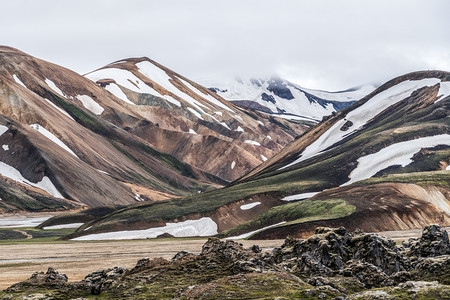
{"points": [[59, 151], [189, 121], [380, 164], [282, 98]]}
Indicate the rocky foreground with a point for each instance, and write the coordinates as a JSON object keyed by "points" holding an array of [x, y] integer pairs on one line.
{"points": [[331, 264]]}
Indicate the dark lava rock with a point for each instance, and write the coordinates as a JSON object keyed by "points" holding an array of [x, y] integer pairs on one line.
{"points": [[268, 98], [277, 87], [347, 125], [433, 242], [99, 280]]}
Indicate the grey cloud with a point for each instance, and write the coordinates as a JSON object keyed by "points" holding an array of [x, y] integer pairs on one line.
{"points": [[324, 44]]}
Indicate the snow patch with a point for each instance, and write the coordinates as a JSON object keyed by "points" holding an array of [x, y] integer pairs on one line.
{"points": [[63, 226], [195, 113], [448, 167], [58, 108], [137, 197], [263, 157], [202, 227], [159, 76], [361, 115], [248, 234], [208, 97], [239, 118], [53, 86], [299, 196], [396, 154], [239, 129], [192, 131], [45, 184], [250, 205], [116, 91], [90, 104], [52, 138], [21, 221], [233, 164], [225, 125], [3, 129], [5, 147], [269, 137], [252, 142], [444, 90], [18, 81]]}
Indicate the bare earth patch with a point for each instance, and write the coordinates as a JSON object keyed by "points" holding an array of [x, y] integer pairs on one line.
{"points": [[76, 260]]}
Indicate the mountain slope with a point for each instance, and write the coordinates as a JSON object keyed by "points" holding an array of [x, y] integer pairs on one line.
{"points": [[190, 122], [381, 164], [285, 99], [60, 151]]}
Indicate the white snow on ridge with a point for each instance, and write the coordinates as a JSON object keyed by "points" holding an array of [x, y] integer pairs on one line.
{"points": [[202, 227], [205, 96], [18, 81], [344, 96], [192, 131], [5, 147], [52, 137], [159, 76], [263, 157], [90, 104], [239, 129], [444, 90], [250, 205], [3, 129], [252, 142], [58, 108], [45, 184], [299, 196], [396, 154], [116, 91], [53, 86], [128, 80], [63, 226], [248, 234], [361, 115]]}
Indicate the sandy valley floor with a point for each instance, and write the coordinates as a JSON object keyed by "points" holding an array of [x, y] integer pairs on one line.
{"points": [[76, 260]]}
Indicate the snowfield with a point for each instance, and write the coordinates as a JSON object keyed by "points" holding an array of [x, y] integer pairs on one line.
{"points": [[250, 205], [63, 226], [3, 129], [45, 184], [202, 227], [248, 234], [396, 154], [21, 221], [252, 142], [52, 138], [53, 86], [90, 104], [299, 196], [362, 115], [18, 81]]}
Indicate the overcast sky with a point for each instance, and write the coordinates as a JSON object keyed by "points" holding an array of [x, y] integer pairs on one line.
{"points": [[326, 44]]}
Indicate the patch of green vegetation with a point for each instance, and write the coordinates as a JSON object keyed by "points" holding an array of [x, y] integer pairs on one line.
{"points": [[436, 178], [13, 236], [15, 199], [297, 212]]}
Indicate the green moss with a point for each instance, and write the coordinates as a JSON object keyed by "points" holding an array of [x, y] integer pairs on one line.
{"points": [[298, 212]]}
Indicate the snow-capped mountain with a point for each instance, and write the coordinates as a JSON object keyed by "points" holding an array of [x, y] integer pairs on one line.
{"points": [[191, 122], [285, 99], [380, 164], [133, 131]]}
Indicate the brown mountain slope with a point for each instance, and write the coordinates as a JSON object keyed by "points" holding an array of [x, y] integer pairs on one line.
{"points": [[189, 121], [54, 134]]}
